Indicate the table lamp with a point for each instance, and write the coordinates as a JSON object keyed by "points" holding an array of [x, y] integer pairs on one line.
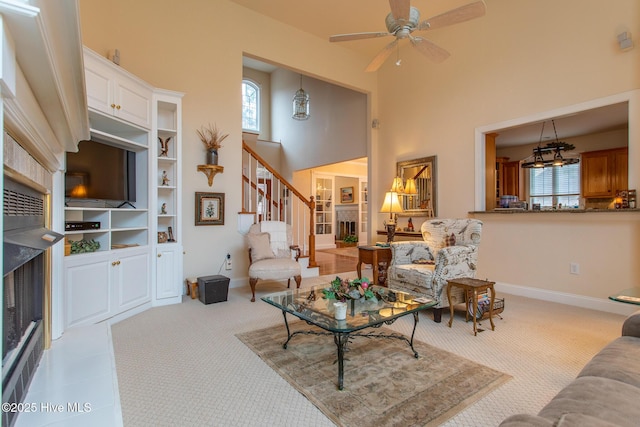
{"points": [[392, 205], [410, 191]]}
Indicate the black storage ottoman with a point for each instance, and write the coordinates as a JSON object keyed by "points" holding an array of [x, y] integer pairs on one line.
{"points": [[213, 288]]}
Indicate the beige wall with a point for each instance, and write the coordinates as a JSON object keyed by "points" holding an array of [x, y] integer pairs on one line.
{"points": [[196, 47], [506, 66], [523, 58]]}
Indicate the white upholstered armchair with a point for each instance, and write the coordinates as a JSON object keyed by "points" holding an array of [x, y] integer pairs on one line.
{"points": [[272, 255], [449, 250]]}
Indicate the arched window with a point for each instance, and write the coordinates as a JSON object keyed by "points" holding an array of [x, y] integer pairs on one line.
{"points": [[250, 106]]}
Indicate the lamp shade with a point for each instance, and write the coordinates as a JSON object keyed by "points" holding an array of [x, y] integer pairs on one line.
{"points": [[410, 187], [391, 204], [79, 191], [397, 186]]}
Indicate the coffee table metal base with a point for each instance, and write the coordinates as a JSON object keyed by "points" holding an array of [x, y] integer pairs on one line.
{"points": [[342, 338]]}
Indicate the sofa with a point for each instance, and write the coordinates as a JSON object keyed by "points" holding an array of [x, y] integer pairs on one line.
{"points": [[449, 250], [605, 393]]}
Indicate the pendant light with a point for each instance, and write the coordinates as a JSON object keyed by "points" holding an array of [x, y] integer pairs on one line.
{"points": [[556, 147], [300, 104]]}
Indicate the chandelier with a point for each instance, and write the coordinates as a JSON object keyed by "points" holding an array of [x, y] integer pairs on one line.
{"points": [[550, 154], [301, 104]]}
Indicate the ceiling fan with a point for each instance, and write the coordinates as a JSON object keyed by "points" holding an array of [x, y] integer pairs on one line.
{"points": [[405, 19]]}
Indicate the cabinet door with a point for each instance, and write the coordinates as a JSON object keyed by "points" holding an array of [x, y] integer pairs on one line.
{"points": [[621, 174], [169, 272], [115, 92], [88, 293], [596, 170], [99, 89], [511, 178], [133, 102], [132, 279], [325, 236]]}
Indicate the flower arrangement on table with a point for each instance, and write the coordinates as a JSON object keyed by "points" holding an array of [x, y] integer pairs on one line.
{"points": [[343, 290]]}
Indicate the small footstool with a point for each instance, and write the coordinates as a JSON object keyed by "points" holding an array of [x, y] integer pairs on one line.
{"points": [[192, 287]]}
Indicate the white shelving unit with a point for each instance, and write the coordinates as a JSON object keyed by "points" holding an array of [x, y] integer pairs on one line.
{"points": [[363, 211], [167, 205], [130, 271]]}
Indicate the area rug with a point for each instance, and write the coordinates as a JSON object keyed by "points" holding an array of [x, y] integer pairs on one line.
{"points": [[351, 252], [384, 384]]}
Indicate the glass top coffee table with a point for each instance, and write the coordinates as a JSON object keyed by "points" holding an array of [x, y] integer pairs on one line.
{"points": [[310, 306], [630, 296]]}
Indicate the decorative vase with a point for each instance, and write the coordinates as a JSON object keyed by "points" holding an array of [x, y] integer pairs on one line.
{"points": [[212, 157]]}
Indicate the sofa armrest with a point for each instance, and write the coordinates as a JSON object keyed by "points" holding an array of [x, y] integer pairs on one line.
{"points": [[631, 326], [526, 420]]}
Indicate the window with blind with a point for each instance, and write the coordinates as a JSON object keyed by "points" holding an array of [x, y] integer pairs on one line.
{"points": [[555, 186]]}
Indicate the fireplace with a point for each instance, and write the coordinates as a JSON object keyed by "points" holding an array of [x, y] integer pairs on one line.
{"points": [[346, 221], [24, 284]]}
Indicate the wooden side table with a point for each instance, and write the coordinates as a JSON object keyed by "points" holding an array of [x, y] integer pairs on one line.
{"points": [[373, 255], [473, 286]]}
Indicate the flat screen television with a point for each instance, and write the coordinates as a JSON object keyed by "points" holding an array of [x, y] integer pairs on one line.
{"points": [[101, 171]]}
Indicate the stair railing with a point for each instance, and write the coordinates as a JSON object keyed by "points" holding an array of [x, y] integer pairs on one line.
{"points": [[268, 196]]}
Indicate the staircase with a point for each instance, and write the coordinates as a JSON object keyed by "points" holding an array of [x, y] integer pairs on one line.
{"points": [[269, 197]]}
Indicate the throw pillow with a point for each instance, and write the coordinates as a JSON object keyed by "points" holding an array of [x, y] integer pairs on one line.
{"points": [[260, 246], [450, 240]]}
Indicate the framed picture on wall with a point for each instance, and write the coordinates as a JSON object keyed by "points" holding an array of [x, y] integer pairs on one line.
{"points": [[346, 195], [209, 208]]}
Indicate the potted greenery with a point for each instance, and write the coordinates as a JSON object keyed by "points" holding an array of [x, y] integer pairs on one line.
{"points": [[212, 139], [350, 240]]}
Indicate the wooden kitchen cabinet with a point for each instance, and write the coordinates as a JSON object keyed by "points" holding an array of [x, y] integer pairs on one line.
{"points": [[604, 172], [511, 179], [499, 178]]}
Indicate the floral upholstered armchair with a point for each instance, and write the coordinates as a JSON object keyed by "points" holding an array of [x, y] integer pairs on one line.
{"points": [[449, 250]]}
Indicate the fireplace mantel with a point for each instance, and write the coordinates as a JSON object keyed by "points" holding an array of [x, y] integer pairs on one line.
{"points": [[42, 78]]}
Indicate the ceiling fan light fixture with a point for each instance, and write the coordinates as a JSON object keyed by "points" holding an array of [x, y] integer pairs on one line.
{"points": [[404, 20], [301, 104]]}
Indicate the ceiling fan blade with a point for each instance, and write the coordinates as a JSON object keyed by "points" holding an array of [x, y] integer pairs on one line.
{"points": [[429, 49], [454, 16], [381, 57], [400, 9], [356, 36]]}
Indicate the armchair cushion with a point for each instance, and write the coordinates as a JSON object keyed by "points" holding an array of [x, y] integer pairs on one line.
{"points": [[260, 246]]}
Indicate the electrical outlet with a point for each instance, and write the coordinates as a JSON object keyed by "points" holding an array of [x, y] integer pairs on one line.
{"points": [[574, 268], [228, 262]]}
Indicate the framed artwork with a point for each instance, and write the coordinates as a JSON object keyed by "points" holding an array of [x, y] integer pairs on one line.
{"points": [[346, 195], [209, 208]]}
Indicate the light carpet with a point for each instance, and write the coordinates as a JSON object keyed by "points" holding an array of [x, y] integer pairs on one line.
{"points": [[384, 384], [182, 365]]}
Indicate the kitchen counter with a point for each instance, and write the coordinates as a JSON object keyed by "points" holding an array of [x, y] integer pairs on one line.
{"points": [[503, 211]]}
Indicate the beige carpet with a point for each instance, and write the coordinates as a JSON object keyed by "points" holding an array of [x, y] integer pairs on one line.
{"points": [[182, 365], [384, 384], [351, 251]]}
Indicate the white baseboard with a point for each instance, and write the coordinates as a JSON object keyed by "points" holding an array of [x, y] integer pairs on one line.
{"points": [[592, 303], [126, 314]]}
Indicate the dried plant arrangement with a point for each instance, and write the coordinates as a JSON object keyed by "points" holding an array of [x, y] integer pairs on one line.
{"points": [[211, 137]]}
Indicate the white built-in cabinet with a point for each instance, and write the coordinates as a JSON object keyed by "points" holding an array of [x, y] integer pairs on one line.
{"points": [[116, 94], [131, 270], [104, 284], [167, 200]]}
